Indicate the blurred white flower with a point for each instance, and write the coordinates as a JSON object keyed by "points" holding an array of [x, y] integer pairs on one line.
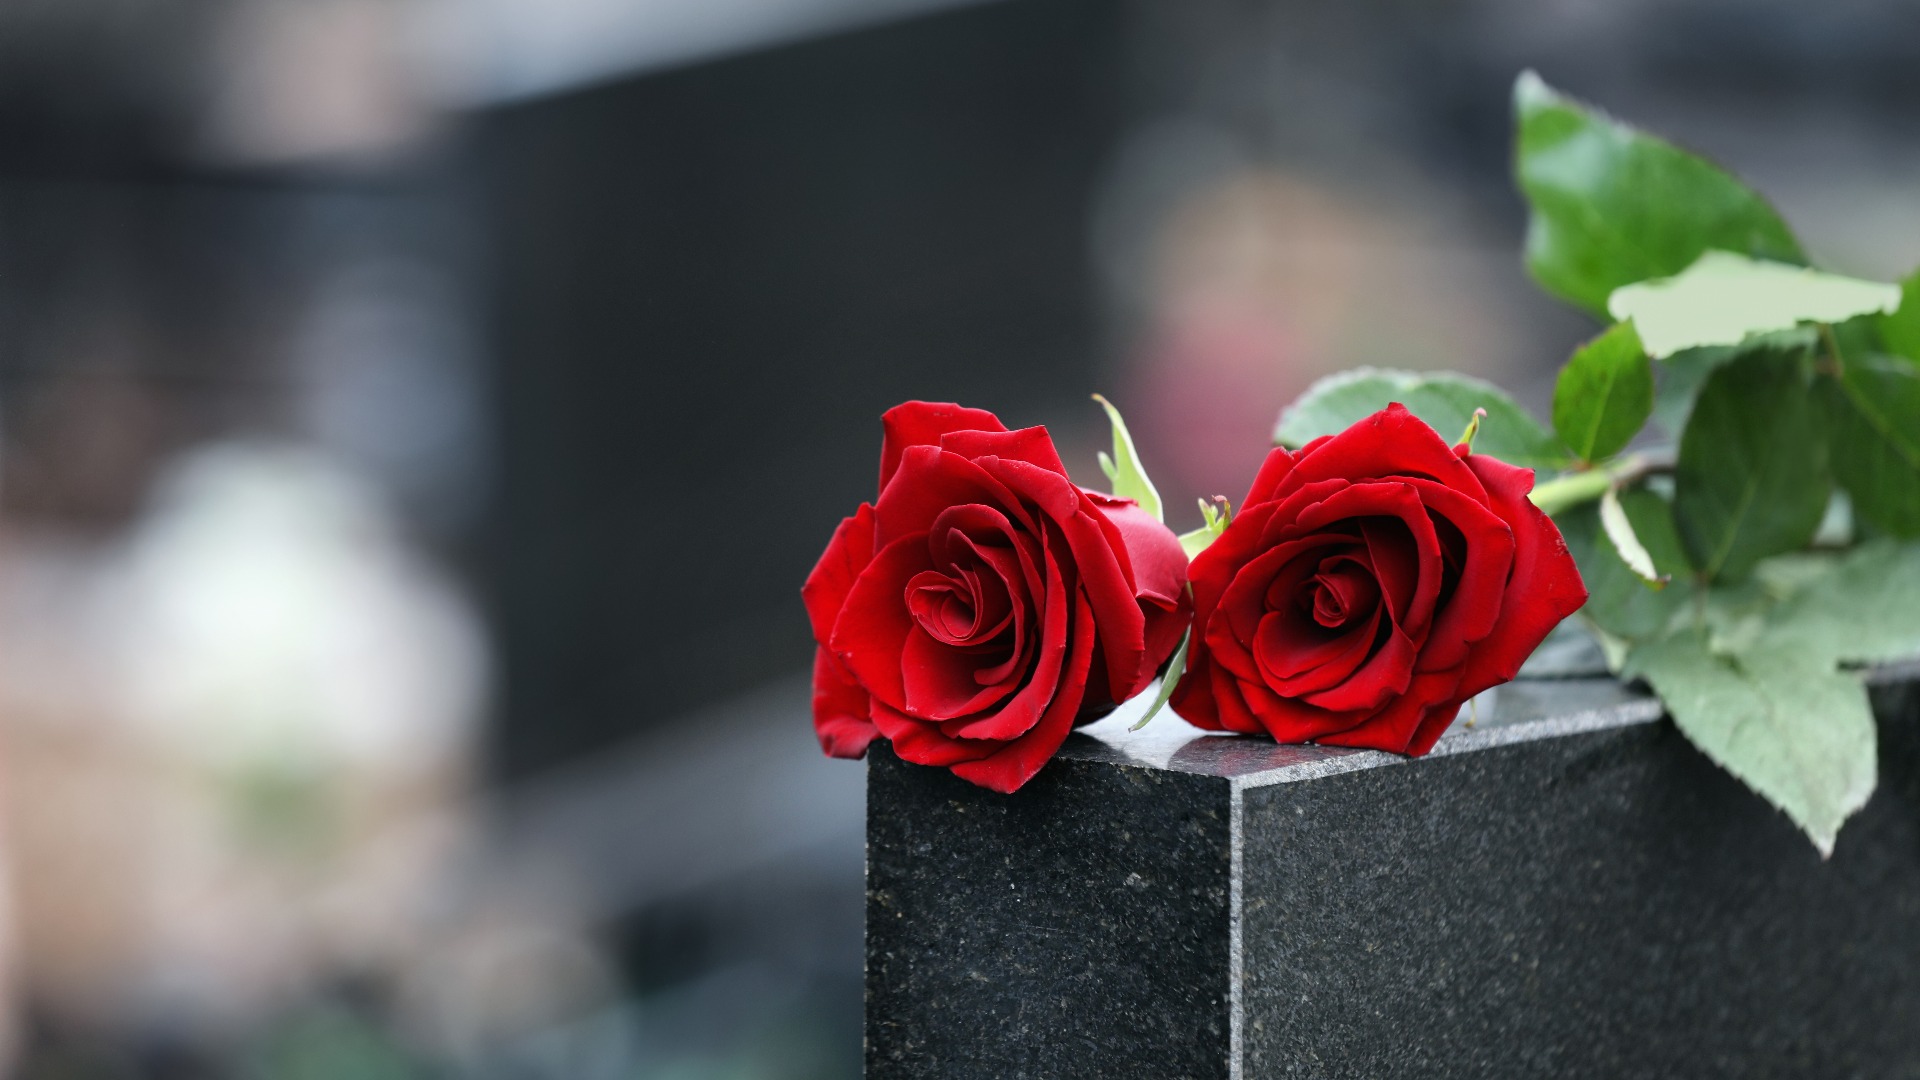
{"points": [[274, 618]]}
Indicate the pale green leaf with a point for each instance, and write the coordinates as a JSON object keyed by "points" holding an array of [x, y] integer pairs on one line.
{"points": [[1445, 401], [1792, 729], [1723, 298], [1612, 205], [1862, 606], [1214, 520], [1129, 479], [1619, 530], [1751, 478], [1604, 394]]}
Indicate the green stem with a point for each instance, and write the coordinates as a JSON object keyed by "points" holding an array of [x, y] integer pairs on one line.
{"points": [[1575, 489], [1572, 490]]}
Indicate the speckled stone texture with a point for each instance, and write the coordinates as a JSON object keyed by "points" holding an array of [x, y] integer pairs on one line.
{"points": [[1566, 889]]}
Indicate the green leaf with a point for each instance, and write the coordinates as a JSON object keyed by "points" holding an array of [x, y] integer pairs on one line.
{"points": [[1176, 668], [1215, 519], [1751, 478], [1860, 607], [1761, 696], [1123, 469], [1678, 378], [1900, 329], [1445, 401], [1619, 602], [1604, 394], [1788, 726], [1873, 423], [1612, 205], [1723, 298]]}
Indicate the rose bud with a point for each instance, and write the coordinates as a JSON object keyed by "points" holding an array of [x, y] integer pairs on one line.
{"points": [[983, 604], [1372, 582]]}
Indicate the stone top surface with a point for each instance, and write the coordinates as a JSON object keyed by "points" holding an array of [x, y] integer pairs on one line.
{"points": [[1524, 710], [1520, 711]]}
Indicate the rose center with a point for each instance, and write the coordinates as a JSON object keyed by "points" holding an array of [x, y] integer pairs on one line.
{"points": [[964, 607], [1340, 592]]}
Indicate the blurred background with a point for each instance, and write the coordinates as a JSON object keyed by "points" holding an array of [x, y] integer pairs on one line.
{"points": [[417, 418]]}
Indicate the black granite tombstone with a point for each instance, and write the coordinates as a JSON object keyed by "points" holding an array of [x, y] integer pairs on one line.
{"points": [[1568, 888]]}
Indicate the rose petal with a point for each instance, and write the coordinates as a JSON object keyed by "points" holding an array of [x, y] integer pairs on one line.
{"points": [[1347, 591], [1278, 463], [1275, 579], [1392, 442], [938, 681], [1394, 727], [1192, 698], [1410, 582], [1433, 725], [1116, 609], [1293, 664], [929, 482], [1543, 587], [1009, 769], [1025, 708], [871, 633], [922, 742], [1479, 584], [1385, 674], [922, 423], [840, 719], [1032, 445], [1288, 719], [1153, 552], [1151, 558], [848, 553]]}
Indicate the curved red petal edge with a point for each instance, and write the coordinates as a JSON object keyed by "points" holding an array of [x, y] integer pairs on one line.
{"points": [[848, 553], [924, 423], [1544, 586], [841, 709]]}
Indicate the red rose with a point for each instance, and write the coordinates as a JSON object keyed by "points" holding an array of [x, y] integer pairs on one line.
{"points": [[983, 604], [1373, 581]]}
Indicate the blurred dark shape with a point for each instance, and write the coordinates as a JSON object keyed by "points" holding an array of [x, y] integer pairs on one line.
{"points": [[629, 342], [102, 85], [709, 283]]}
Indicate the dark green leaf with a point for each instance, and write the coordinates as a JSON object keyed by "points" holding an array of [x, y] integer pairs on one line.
{"points": [[1751, 479], [1604, 394], [1613, 205], [1680, 376], [1873, 425], [1445, 401], [1900, 331]]}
